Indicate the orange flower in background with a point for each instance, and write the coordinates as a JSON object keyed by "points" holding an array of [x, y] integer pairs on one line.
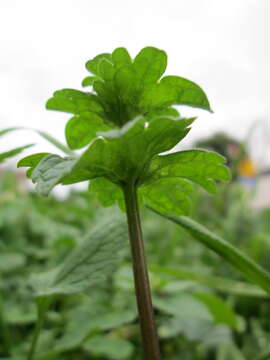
{"points": [[247, 168]]}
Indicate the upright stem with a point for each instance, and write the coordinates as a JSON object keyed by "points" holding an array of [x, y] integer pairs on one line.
{"points": [[41, 310], [142, 287], [4, 330]]}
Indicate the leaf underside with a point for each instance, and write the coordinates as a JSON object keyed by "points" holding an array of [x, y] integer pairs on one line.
{"points": [[165, 181]]}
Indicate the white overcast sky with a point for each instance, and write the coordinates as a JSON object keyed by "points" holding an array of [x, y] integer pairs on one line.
{"points": [[221, 45]]}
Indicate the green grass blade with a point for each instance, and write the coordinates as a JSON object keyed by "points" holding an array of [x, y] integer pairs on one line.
{"points": [[54, 142], [250, 269], [8, 130], [13, 152], [44, 135]]}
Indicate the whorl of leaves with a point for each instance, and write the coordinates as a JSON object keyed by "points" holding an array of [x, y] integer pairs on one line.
{"points": [[125, 123]]}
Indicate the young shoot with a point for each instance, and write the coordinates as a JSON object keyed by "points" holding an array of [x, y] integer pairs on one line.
{"points": [[124, 123]]}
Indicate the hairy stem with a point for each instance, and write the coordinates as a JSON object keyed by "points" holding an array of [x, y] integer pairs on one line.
{"points": [[142, 287]]}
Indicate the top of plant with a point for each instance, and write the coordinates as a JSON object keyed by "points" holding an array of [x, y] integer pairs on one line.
{"points": [[123, 89], [126, 122]]}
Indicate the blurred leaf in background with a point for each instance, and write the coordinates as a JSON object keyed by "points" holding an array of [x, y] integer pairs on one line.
{"points": [[230, 318]]}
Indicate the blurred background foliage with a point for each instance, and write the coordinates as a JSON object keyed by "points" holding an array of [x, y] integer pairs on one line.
{"points": [[204, 311]]}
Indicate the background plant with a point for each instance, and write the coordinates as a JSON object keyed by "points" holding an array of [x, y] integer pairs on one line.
{"points": [[37, 233]]}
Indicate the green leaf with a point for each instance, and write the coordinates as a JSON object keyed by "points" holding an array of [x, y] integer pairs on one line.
{"points": [[106, 93], [89, 80], [164, 111], [50, 171], [81, 129], [150, 64], [125, 89], [183, 305], [157, 95], [109, 346], [106, 158], [221, 311], [113, 318], [171, 196], [89, 263], [221, 284], [11, 262], [74, 102], [13, 152], [167, 185], [106, 69], [126, 84], [96, 161], [121, 57], [103, 318], [107, 192], [32, 160], [189, 93], [20, 313], [199, 166], [205, 332], [229, 351], [251, 270], [93, 65]]}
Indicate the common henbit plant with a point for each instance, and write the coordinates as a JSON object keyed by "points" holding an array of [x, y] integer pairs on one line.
{"points": [[126, 124]]}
